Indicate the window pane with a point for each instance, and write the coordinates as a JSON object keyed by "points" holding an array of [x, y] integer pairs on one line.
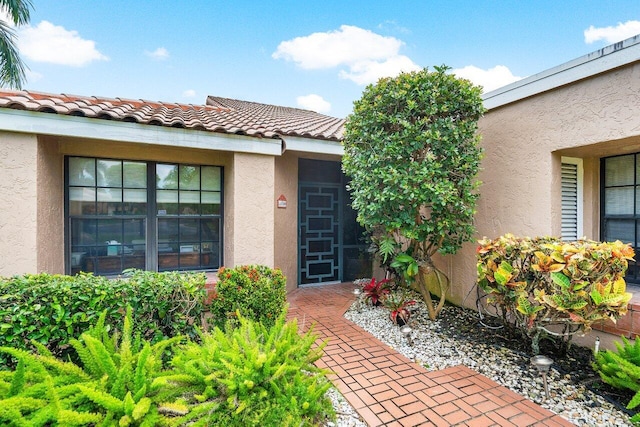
{"points": [[135, 175], [109, 173], [619, 171], [135, 202], [211, 178], [189, 177], [83, 232], [82, 171], [210, 229], [189, 230], [167, 202], [82, 201], [209, 255], [210, 203], [618, 201], [167, 232], [109, 201], [134, 232], [166, 176], [620, 229], [110, 233], [189, 203]]}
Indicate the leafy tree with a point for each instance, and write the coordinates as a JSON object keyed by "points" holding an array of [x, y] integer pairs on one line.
{"points": [[12, 70], [412, 152]]}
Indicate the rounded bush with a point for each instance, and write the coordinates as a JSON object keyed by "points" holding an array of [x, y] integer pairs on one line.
{"points": [[256, 291]]}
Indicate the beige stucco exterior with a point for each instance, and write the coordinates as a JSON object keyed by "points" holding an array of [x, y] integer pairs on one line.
{"points": [[524, 143], [19, 213], [32, 219], [250, 236]]}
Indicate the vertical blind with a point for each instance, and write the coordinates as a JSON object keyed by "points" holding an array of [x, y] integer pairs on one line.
{"points": [[569, 201]]}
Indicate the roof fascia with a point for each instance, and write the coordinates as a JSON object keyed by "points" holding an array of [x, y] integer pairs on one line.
{"points": [[81, 127], [600, 61], [310, 145]]}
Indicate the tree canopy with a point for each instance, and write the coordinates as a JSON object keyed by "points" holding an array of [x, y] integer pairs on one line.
{"points": [[412, 153]]}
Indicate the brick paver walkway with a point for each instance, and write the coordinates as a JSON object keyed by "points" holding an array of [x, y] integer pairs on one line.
{"points": [[388, 389]]}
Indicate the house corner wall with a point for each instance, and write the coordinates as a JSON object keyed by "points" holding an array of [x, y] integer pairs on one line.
{"points": [[50, 226], [18, 216], [286, 219], [252, 213]]}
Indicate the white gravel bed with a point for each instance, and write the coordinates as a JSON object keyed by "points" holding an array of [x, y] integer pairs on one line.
{"points": [[434, 349]]}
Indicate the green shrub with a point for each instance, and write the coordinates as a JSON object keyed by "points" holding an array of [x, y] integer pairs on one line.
{"points": [[535, 283], [259, 376], [250, 375], [112, 385], [621, 369], [256, 291], [53, 309]]}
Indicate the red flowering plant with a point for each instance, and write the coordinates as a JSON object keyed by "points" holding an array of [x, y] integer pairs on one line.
{"points": [[398, 303], [376, 290]]}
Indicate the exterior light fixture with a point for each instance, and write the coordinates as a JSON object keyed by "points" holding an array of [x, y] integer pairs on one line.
{"points": [[358, 305], [406, 331], [596, 346], [542, 363]]}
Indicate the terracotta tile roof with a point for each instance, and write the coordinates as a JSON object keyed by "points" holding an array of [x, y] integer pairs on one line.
{"points": [[280, 120], [218, 115]]}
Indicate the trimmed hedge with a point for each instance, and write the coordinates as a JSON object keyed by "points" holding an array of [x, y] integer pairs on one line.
{"points": [[52, 309]]}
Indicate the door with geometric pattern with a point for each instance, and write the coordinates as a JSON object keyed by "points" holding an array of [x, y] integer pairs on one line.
{"points": [[319, 232]]}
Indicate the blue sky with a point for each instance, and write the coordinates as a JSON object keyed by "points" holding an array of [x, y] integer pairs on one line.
{"points": [[313, 54]]}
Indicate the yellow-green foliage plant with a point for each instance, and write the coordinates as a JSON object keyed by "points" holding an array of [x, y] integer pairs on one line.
{"points": [[254, 375], [539, 282], [113, 385], [42, 391], [621, 369]]}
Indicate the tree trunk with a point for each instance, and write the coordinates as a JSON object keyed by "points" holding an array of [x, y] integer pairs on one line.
{"points": [[429, 277]]}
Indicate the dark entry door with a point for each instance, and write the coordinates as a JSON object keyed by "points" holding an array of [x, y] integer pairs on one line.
{"points": [[319, 233], [331, 244]]}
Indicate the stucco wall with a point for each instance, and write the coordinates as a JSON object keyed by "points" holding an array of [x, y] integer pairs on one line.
{"points": [[286, 220], [18, 215], [253, 210], [524, 142], [50, 227]]}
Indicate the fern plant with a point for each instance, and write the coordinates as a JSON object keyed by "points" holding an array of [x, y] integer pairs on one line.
{"points": [[42, 390], [252, 374], [621, 369], [114, 386], [123, 370]]}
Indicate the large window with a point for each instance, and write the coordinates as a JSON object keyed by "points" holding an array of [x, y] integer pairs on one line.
{"points": [[620, 203], [130, 214]]}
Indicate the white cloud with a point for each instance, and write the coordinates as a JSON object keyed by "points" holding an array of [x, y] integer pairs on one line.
{"points": [[366, 55], [615, 34], [56, 45], [160, 54], [189, 93], [314, 102], [490, 79], [366, 72]]}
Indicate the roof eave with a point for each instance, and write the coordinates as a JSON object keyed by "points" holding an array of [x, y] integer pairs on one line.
{"points": [[312, 145], [608, 58], [109, 130]]}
